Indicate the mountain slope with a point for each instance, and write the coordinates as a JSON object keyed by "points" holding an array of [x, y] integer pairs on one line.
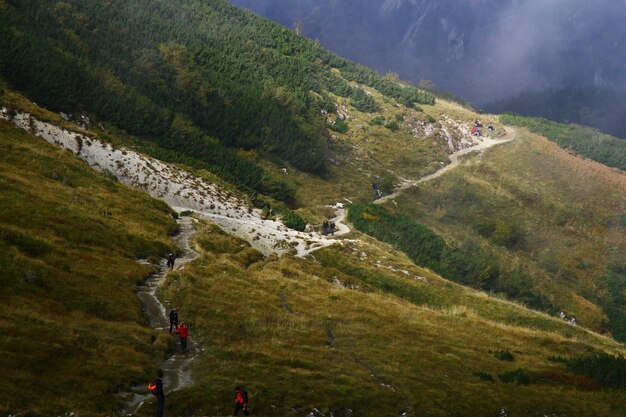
{"points": [[69, 240], [479, 50], [357, 328], [182, 74]]}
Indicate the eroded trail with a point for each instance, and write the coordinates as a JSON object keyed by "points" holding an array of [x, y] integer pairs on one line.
{"points": [[177, 372], [178, 188], [486, 143]]}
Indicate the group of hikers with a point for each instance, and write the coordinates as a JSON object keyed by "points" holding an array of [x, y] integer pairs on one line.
{"points": [[565, 317], [181, 329], [328, 227], [156, 388], [477, 126]]}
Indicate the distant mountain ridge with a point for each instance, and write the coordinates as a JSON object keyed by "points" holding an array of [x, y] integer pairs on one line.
{"points": [[480, 50]]}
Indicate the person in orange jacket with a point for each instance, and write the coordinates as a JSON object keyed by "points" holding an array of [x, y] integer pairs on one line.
{"points": [[183, 334], [156, 388]]}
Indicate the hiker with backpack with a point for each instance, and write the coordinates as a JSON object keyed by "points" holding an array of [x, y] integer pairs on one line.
{"points": [[173, 319], [156, 388], [332, 228], [325, 227], [183, 334], [241, 401], [170, 261]]}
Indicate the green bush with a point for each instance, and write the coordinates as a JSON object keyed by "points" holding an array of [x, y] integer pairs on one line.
{"points": [[292, 220], [484, 376], [377, 121], [504, 355], [519, 376], [393, 126], [467, 264], [340, 125], [604, 369]]}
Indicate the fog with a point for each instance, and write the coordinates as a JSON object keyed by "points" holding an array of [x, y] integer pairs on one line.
{"points": [[537, 44], [482, 50]]}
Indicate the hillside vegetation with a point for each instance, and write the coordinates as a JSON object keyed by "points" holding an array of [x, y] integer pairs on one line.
{"points": [[365, 332], [194, 76], [533, 208], [587, 142], [390, 320], [72, 329]]}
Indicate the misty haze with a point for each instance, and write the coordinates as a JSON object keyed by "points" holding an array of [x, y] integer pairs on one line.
{"points": [[481, 51]]}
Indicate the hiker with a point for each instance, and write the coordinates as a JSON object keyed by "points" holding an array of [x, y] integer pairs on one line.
{"points": [[173, 319], [183, 334], [375, 189], [562, 315], [284, 171], [572, 320], [332, 228], [170, 260], [325, 227], [241, 401], [156, 388], [473, 130], [490, 128]]}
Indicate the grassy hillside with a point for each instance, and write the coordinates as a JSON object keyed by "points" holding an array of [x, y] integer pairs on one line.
{"points": [[534, 208], [186, 75], [587, 142], [363, 331], [72, 329]]}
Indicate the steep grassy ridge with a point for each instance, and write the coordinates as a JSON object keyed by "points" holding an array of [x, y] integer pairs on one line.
{"points": [[185, 73], [72, 328], [536, 207], [298, 340], [587, 142]]}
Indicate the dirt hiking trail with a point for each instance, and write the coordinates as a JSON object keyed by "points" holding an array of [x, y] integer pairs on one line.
{"points": [[176, 369], [180, 189], [486, 143]]}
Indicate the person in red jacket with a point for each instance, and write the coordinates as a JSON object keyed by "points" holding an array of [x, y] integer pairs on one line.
{"points": [[241, 401], [183, 334]]}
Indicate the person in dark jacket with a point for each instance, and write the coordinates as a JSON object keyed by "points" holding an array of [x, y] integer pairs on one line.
{"points": [[170, 260], [241, 401], [173, 319], [156, 388]]}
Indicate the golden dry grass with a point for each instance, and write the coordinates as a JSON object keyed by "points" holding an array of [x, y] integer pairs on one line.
{"points": [[72, 328], [298, 341]]}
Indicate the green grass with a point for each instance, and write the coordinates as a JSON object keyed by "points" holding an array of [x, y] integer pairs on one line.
{"points": [[72, 328], [585, 141], [536, 208], [298, 341]]}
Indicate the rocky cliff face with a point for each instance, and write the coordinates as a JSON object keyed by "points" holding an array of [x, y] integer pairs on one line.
{"points": [[480, 50]]}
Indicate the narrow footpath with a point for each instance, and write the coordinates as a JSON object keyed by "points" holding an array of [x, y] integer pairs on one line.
{"points": [[485, 144], [176, 369]]}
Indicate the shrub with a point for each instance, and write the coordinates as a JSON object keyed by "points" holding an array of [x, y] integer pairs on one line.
{"points": [[519, 376], [292, 220], [504, 355], [377, 121], [340, 125], [393, 126], [484, 376], [388, 183], [604, 369]]}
